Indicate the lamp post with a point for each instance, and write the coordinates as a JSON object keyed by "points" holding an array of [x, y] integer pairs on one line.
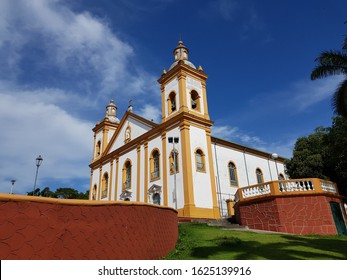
{"points": [[12, 182], [275, 156], [39, 160], [174, 140]]}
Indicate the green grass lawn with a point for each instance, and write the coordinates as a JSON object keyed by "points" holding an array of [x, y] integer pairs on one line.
{"points": [[201, 242]]}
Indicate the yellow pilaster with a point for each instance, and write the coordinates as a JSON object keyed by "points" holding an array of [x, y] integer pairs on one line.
{"points": [[187, 170], [146, 173], [104, 138], [138, 179], [212, 176], [207, 116], [116, 180], [110, 181], [99, 187], [182, 93], [165, 188], [163, 104]]}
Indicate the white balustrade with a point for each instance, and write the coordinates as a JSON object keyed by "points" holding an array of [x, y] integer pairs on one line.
{"points": [[257, 190], [296, 185], [328, 186]]}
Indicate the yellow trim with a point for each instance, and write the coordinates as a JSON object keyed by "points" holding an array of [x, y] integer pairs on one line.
{"points": [[187, 169], [163, 113], [138, 181], [212, 176], [110, 181], [182, 83], [58, 201], [116, 180], [146, 172], [104, 139], [204, 95], [165, 179], [236, 176], [100, 178], [197, 212]]}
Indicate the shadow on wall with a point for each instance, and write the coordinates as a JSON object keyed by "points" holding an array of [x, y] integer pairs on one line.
{"points": [[46, 228]]}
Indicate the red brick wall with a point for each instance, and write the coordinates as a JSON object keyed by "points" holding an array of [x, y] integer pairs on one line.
{"points": [[290, 214], [48, 229]]}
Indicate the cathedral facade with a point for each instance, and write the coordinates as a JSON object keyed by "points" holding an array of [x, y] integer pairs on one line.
{"points": [[176, 163]]}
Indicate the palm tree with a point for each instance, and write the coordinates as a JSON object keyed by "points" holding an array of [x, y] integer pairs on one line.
{"points": [[334, 63]]}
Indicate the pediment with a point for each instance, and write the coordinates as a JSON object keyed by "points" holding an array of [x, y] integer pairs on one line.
{"points": [[131, 127]]}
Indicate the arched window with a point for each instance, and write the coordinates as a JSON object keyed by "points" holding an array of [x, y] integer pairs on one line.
{"points": [[200, 160], [259, 175], [281, 176], [155, 165], [104, 185], [195, 100], [98, 149], [156, 198], [172, 102], [127, 175], [94, 192], [232, 174], [174, 162]]}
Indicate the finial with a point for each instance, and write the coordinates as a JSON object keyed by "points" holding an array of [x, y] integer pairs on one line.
{"points": [[130, 107], [164, 71], [200, 68]]}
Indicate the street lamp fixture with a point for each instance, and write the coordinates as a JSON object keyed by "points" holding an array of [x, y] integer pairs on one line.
{"points": [[39, 160], [275, 156], [174, 140], [12, 182]]}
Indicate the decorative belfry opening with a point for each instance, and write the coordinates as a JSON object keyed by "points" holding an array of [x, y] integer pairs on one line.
{"points": [[172, 105], [195, 100]]}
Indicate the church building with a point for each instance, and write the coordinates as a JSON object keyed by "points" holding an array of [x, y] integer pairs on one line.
{"points": [[176, 163]]}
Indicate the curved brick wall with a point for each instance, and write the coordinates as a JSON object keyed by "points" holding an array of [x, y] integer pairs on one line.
{"points": [[44, 228], [309, 214]]}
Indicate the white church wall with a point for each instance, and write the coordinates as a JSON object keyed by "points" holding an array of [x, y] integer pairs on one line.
{"points": [[201, 180], [95, 181], [175, 132]]}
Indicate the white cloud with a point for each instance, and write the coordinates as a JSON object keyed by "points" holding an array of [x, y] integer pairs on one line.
{"points": [[307, 93], [151, 113], [72, 43], [233, 134], [31, 128]]}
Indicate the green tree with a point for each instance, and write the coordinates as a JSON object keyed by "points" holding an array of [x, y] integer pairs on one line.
{"points": [[308, 156], [334, 63], [322, 154]]}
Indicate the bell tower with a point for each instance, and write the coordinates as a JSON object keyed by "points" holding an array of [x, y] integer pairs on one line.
{"points": [[183, 87]]}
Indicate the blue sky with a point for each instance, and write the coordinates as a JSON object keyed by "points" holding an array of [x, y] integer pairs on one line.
{"points": [[62, 61]]}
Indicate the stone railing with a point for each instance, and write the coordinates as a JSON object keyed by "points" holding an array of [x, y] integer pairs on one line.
{"points": [[286, 187]]}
